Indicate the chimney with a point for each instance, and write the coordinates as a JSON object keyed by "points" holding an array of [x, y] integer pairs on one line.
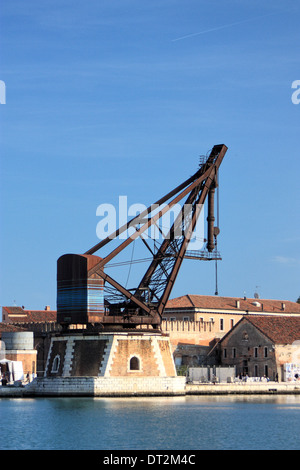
{"points": [[47, 308], [282, 306], [237, 304]]}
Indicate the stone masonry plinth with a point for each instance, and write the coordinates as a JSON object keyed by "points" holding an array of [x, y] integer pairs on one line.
{"points": [[115, 363]]}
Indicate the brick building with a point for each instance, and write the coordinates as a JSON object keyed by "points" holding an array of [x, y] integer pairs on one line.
{"points": [[261, 345], [196, 323], [224, 312], [19, 315]]}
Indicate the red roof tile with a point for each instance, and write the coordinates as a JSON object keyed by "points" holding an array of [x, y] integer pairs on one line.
{"points": [[18, 315], [230, 303], [14, 310], [41, 316], [4, 327], [279, 329]]}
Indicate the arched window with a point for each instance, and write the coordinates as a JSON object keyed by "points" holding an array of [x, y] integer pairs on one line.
{"points": [[134, 363], [55, 364]]}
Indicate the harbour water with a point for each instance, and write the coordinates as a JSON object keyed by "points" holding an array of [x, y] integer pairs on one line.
{"points": [[179, 423]]}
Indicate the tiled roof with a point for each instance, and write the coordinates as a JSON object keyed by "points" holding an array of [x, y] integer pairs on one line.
{"points": [[40, 316], [14, 310], [279, 329], [18, 315], [231, 303], [4, 327]]}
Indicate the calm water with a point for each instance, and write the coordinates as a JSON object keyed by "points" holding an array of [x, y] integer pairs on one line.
{"points": [[184, 423]]}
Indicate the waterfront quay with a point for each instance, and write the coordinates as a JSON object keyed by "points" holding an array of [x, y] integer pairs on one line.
{"points": [[241, 388]]}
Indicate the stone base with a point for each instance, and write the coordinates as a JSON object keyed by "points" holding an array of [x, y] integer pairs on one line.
{"points": [[134, 353], [109, 363], [106, 386]]}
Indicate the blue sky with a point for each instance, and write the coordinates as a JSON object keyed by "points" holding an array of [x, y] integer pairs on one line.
{"points": [[120, 97]]}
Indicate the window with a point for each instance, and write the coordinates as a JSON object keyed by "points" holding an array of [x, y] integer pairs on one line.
{"points": [[255, 352], [266, 371], [55, 364], [256, 371], [221, 324], [224, 353], [186, 318], [234, 352], [134, 363], [266, 352], [231, 323], [245, 336]]}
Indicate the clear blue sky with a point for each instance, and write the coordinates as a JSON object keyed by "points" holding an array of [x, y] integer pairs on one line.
{"points": [[120, 97]]}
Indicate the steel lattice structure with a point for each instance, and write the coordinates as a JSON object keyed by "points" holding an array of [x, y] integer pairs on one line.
{"points": [[145, 304]]}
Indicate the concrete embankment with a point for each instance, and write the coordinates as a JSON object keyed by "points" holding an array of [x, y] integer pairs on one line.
{"points": [[243, 388], [11, 392], [269, 388]]}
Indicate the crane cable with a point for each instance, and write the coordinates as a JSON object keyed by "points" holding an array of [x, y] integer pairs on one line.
{"points": [[218, 225], [130, 264]]}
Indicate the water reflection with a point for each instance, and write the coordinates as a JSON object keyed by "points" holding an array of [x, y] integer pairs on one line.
{"points": [[157, 423]]}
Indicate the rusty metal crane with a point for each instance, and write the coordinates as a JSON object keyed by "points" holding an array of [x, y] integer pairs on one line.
{"points": [[82, 280]]}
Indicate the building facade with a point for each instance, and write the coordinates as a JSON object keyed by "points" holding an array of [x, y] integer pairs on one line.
{"points": [[41, 322], [261, 346], [17, 347], [196, 323]]}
